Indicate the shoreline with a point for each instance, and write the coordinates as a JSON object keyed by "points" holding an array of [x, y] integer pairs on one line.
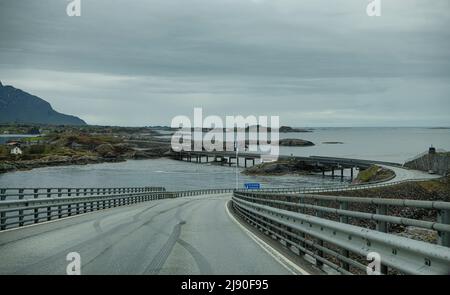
{"points": [[62, 161]]}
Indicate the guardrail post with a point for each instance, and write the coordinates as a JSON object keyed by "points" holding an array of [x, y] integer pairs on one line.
{"points": [[49, 209], [59, 207], [344, 219], [444, 237], [2, 221], [319, 242], [21, 211], [36, 211], [382, 226], [302, 234], [2, 215]]}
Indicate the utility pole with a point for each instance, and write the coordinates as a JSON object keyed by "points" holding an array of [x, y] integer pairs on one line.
{"points": [[237, 167]]}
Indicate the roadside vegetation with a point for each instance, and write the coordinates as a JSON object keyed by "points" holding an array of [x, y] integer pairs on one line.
{"points": [[69, 145], [374, 173]]}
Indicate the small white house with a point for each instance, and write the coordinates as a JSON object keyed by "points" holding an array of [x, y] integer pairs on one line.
{"points": [[16, 151]]}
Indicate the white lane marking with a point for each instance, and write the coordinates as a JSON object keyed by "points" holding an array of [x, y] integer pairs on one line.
{"points": [[279, 257]]}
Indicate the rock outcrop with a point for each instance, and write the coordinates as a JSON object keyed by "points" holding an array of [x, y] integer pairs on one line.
{"points": [[287, 129], [281, 168], [294, 142], [373, 174]]}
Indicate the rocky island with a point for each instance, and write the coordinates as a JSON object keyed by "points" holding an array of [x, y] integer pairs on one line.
{"points": [[74, 147], [288, 129], [281, 167], [295, 142]]}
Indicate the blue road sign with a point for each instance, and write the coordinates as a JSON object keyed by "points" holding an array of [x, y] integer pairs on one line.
{"points": [[252, 185]]}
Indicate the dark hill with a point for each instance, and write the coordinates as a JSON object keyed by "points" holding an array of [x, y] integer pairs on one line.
{"points": [[17, 106]]}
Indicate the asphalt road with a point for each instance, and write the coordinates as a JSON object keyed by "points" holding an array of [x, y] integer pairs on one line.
{"points": [[402, 174], [192, 235]]}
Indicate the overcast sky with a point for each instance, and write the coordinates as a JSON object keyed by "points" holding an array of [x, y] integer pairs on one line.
{"points": [[312, 62]]}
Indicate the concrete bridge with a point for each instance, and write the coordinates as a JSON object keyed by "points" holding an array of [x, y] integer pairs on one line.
{"points": [[334, 165]]}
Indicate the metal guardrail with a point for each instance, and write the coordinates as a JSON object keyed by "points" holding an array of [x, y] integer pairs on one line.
{"points": [[178, 194], [84, 198], [305, 222], [34, 193], [280, 213], [31, 206], [336, 188]]}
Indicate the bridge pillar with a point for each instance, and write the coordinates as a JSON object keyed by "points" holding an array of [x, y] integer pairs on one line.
{"points": [[342, 174], [351, 173], [332, 172]]}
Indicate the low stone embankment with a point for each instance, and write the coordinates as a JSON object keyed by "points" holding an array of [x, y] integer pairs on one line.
{"points": [[438, 163]]}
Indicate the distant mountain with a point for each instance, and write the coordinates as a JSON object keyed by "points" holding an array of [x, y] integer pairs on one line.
{"points": [[17, 106]]}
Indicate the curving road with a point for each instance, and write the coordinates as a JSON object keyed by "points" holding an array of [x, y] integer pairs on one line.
{"points": [[403, 174], [194, 235]]}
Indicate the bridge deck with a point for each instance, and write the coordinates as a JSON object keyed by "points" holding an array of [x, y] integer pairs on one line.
{"points": [[192, 235]]}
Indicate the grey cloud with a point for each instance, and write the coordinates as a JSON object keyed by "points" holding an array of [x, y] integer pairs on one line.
{"points": [[313, 62]]}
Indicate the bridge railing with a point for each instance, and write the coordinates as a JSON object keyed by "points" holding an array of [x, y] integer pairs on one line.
{"points": [[23, 206], [334, 188], [337, 232], [17, 213], [34, 193]]}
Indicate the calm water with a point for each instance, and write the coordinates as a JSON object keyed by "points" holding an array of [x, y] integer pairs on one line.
{"points": [[6, 137], [174, 175], [383, 144], [386, 144]]}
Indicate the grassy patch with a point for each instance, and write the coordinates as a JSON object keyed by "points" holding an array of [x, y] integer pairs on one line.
{"points": [[373, 173]]}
